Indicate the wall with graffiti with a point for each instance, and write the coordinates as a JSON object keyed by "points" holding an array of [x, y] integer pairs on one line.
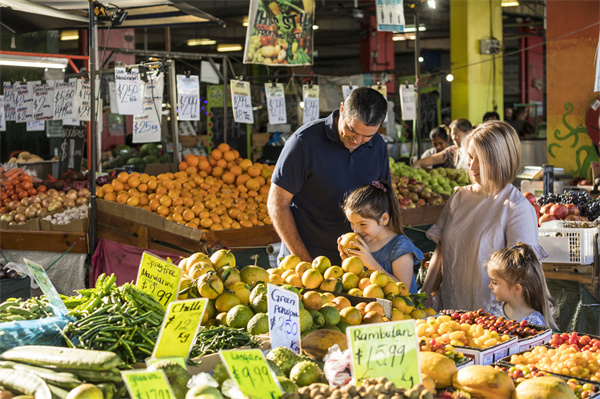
{"points": [[571, 42]]}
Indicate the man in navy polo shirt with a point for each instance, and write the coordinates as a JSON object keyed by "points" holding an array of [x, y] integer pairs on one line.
{"points": [[320, 163]]}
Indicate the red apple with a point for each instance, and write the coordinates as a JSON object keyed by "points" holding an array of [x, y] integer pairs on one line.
{"points": [[546, 218], [545, 208], [559, 210], [530, 197]]}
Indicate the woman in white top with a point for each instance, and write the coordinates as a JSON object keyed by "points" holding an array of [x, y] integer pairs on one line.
{"points": [[453, 156], [480, 219]]}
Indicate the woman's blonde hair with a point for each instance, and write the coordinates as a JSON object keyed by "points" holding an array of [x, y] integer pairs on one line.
{"points": [[498, 148], [520, 265]]}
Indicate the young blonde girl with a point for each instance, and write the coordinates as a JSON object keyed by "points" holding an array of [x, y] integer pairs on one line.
{"points": [[518, 283], [374, 214]]}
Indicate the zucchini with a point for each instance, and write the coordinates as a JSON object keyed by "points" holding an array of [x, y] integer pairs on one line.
{"points": [[25, 382], [68, 358]]}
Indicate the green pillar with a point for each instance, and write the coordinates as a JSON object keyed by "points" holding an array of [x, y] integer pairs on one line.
{"points": [[477, 85]]}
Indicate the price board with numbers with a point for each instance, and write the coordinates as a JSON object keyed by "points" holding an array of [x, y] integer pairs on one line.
{"points": [[275, 103], [179, 328], [310, 94], [284, 319], [158, 278], [249, 369], [144, 384], [241, 102], [385, 349]]}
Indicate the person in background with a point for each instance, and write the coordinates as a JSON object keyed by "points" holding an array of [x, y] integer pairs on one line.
{"points": [[480, 218], [491, 115], [374, 214], [318, 165], [520, 118], [446, 120], [439, 141], [453, 156], [508, 114], [519, 286]]}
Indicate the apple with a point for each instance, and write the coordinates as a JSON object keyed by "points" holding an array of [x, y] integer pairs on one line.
{"points": [[559, 210], [546, 218], [413, 197], [425, 194], [530, 197], [421, 202]]}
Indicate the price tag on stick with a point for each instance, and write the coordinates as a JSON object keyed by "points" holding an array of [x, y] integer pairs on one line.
{"points": [[179, 328], [41, 277], [158, 278], [284, 318], [250, 371], [385, 349], [144, 384]]}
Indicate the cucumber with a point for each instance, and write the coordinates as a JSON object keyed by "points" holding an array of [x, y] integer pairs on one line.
{"points": [[25, 382], [68, 358], [61, 380]]}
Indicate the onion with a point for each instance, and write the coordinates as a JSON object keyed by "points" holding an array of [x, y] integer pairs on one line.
{"points": [[55, 206], [62, 194], [42, 195], [84, 192], [30, 212], [25, 201], [35, 200], [20, 218], [7, 218], [21, 208], [12, 205], [69, 203], [81, 201], [72, 194], [52, 192], [46, 202]]}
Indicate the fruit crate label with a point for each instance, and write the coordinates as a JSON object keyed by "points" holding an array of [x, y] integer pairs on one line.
{"points": [[249, 369], [284, 318], [179, 328], [143, 384], [385, 349], [41, 277], [158, 278]]}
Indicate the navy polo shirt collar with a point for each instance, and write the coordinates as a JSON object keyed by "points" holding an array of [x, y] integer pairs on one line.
{"points": [[332, 132]]}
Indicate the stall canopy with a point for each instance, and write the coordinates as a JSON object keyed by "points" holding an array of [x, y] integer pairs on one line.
{"points": [[26, 16]]}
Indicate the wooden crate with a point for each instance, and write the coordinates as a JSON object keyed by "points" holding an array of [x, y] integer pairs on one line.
{"points": [[47, 241], [421, 216]]}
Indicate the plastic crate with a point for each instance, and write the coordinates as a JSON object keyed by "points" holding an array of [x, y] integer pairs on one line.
{"points": [[566, 244]]}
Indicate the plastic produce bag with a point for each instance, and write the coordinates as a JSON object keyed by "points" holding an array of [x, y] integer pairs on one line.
{"points": [[32, 332], [337, 366]]}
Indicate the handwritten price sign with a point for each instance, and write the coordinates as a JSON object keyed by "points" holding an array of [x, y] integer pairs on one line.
{"points": [[385, 349], [9, 101], [275, 103], [24, 102], [143, 384], [179, 328], [158, 278], [284, 320], [310, 94], [41, 277], [129, 96], [43, 100], [82, 100], [2, 115], [250, 371], [241, 102], [64, 94], [146, 126], [188, 100]]}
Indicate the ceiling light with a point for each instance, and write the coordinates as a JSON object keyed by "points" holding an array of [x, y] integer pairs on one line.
{"points": [[421, 59], [201, 42], [315, 27], [510, 3], [431, 3], [69, 35], [411, 28], [229, 47], [449, 77], [245, 21], [399, 37], [36, 62]]}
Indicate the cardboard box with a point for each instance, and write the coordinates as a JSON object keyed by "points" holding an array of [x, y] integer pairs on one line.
{"points": [[45, 225], [30, 225], [541, 338], [490, 355], [77, 225]]}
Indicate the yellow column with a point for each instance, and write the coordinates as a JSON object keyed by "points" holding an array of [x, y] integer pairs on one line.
{"points": [[477, 84]]}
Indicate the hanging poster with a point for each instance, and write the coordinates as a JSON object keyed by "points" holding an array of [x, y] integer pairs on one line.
{"points": [[82, 100], [2, 115], [407, 102], [43, 100], [280, 32], [64, 95], [310, 95], [275, 103], [147, 126], [188, 98], [430, 106], [24, 102], [241, 101], [9, 101], [129, 96], [390, 15], [71, 148]]}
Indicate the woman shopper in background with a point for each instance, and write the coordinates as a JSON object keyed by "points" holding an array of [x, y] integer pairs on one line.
{"points": [[479, 219], [453, 156]]}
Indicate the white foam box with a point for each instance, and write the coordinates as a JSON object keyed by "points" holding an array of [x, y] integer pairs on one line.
{"points": [[490, 355], [467, 362], [538, 339]]}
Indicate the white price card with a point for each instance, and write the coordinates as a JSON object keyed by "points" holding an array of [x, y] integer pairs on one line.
{"points": [[188, 98], [129, 96], [9, 101], [43, 100], [82, 100], [36, 126], [346, 90], [241, 101], [64, 96], [275, 103], [147, 126], [407, 102], [2, 115], [24, 102], [383, 90], [284, 318], [310, 95], [112, 95]]}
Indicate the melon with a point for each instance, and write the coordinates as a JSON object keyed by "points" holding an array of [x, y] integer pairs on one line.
{"points": [[439, 367], [544, 388], [484, 382]]}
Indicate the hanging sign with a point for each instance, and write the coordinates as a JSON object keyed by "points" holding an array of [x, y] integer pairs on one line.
{"points": [[144, 384], [347, 89], [385, 349], [147, 126], [275, 103], [250, 371], [82, 100], [64, 95], [188, 98], [112, 96], [24, 102], [71, 148], [280, 33], [129, 96], [158, 278], [284, 318], [179, 328], [407, 102], [390, 15], [383, 90], [10, 102], [310, 96], [2, 115], [43, 100], [241, 102], [36, 126], [41, 278]]}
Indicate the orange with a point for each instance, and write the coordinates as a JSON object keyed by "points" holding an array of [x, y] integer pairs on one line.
{"points": [[222, 163], [162, 210], [191, 170], [110, 196], [188, 201], [217, 171], [216, 154], [144, 201], [177, 217], [100, 193], [242, 179], [132, 192], [216, 226], [177, 201], [107, 188], [252, 184], [122, 198], [228, 177], [206, 222], [183, 165], [133, 201], [166, 200], [117, 184], [236, 170], [192, 160], [203, 165], [143, 187], [229, 156], [224, 147], [133, 181], [261, 180], [152, 184], [188, 215], [245, 164], [246, 223], [351, 315], [264, 190], [122, 177], [144, 178], [192, 225], [254, 170]]}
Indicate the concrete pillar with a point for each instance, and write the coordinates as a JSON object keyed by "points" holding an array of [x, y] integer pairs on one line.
{"points": [[477, 85]]}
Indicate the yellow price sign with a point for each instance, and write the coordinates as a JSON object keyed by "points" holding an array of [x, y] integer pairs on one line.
{"points": [[250, 371], [179, 328], [144, 384], [385, 349], [158, 278]]}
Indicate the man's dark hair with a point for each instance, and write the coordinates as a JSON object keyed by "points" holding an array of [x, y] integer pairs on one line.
{"points": [[491, 115], [366, 105], [439, 131]]}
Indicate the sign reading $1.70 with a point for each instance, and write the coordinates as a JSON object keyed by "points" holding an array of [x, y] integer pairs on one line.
{"points": [[158, 278]]}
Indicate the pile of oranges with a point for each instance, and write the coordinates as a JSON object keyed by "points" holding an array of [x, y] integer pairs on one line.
{"points": [[219, 192]]}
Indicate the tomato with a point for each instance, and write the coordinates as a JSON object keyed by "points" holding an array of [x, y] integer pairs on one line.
{"points": [[42, 188], [264, 40]]}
